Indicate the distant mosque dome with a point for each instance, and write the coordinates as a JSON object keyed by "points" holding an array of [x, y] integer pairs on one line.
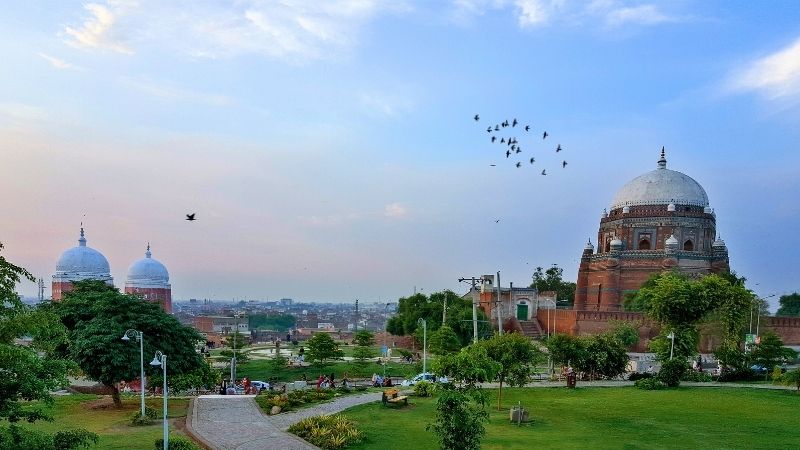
{"points": [[82, 263], [661, 187], [671, 242], [147, 273]]}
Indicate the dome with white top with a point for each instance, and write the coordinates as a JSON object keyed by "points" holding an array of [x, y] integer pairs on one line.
{"points": [[661, 187], [147, 273], [82, 263]]}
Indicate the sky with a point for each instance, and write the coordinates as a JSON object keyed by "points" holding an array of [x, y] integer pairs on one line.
{"points": [[329, 148]]}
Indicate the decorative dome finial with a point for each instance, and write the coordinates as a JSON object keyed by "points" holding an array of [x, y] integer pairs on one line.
{"points": [[147, 253], [82, 240], [662, 162]]}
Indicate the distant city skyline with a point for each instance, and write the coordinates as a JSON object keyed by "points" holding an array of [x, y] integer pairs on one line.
{"points": [[329, 148]]}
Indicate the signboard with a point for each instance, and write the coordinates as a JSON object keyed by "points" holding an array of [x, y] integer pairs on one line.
{"points": [[750, 339]]}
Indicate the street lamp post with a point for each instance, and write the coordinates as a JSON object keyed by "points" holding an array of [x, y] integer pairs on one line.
{"points": [[424, 344], [139, 337], [385, 348], [671, 336], [160, 359]]}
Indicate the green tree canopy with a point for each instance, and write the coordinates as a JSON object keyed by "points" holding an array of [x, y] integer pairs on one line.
{"points": [[96, 315], [516, 356], [28, 377], [365, 341], [419, 306], [789, 305], [552, 280], [276, 322], [771, 352], [565, 349], [321, 348], [444, 340]]}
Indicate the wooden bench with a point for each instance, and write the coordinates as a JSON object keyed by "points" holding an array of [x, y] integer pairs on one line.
{"points": [[393, 396]]}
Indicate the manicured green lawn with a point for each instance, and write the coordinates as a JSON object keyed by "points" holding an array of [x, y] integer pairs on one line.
{"points": [[84, 411], [612, 418]]}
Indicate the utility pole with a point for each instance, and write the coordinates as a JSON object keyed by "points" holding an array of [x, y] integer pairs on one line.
{"points": [[444, 308], [356, 316], [499, 307], [473, 281], [41, 289]]}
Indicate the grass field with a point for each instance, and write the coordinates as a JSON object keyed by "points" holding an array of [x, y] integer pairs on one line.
{"points": [[96, 413], [606, 418]]}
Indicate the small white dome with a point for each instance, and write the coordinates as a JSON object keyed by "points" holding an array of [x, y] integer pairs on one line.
{"points": [[616, 244], [82, 263], [147, 273], [719, 244], [626, 209], [708, 210], [671, 242], [589, 246], [671, 207], [605, 214]]}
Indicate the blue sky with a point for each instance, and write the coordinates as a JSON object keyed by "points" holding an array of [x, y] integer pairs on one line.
{"points": [[329, 151]]}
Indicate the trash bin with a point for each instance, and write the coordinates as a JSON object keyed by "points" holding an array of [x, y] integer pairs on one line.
{"points": [[571, 379]]}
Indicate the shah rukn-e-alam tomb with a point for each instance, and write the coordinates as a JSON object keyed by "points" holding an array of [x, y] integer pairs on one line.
{"points": [[146, 277]]}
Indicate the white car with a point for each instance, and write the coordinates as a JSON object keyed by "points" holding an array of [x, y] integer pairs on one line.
{"points": [[260, 385], [427, 376]]}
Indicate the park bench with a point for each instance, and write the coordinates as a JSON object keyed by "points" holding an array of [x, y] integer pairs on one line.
{"points": [[392, 396]]}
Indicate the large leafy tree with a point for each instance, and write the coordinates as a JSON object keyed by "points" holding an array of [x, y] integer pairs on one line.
{"points": [[552, 280], [236, 341], [419, 306], [516, 357], [565, 349], [365, 341], [25, 374], [605, 356], [789, 305], [96, 316], [444, 341], [771, 352], [321, 348]]}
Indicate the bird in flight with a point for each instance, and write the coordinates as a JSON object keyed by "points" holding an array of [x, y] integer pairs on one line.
{"points": [[502, 140], [477, 117], [190, 217], [519, 150], [533, 160], [514, 123], [563, 164], [519, 164], [544, 135], [494, 138], [493, 165], [497, 221], [489, 130], [497, 128], [508, 153], [558, 149], [544, 172], [527, 128]]}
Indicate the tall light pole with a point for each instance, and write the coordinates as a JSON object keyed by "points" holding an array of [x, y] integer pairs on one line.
{"points": [[160, 359], [424, 344], [671, 336], [548, 314], [474, 281], [499, 307], [139, 337], [385, 348]]}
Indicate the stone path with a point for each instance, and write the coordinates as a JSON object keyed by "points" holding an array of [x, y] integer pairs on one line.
{"points": [[235, 422]]}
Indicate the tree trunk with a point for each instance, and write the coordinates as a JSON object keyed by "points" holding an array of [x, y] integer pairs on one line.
{"points": [[115, 397], [500, 395]]}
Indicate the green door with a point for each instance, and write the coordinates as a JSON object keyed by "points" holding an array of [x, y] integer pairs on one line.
{"points": [[522, 312]]}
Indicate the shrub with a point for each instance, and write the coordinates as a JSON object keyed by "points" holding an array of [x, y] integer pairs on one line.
{"points": [[777, 375], [150, 414], [671, 371], [177, 443], [639, 376], [328, 432], [424, 389], [741, 374], [693, 375], [343, 389], [649, 384], [72, 439]]}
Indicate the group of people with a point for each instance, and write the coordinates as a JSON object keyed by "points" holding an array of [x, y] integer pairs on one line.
{"points": [[326, 382], [379, 381]]}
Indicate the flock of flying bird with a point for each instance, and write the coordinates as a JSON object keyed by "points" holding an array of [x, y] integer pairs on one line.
{"points": [[512, 145]]}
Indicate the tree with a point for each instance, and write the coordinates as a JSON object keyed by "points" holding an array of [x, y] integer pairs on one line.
{"points": [[789, 305], [771, 352], [27, 376], [444, 340], [626, 332], [516, 356], [461, 406], [276, 322], [606, 356], [96, 315], [418, 306], [365, 341], [565, 349], [792, 377], [238, 341], [321, 347], [551, 280]]}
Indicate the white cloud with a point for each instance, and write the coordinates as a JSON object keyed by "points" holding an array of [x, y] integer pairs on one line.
{"points": [[637, 15], [273, 28], [395, 210], [57, 63], [386, 104], [776, 76], [174, 93], [535, 12], [17, 113], [98, 30]]}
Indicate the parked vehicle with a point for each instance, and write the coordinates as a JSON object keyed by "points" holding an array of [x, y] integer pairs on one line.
{"points": [[427, 376]]}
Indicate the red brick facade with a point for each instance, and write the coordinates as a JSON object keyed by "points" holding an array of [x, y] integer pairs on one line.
{"points": [[162, 296]]}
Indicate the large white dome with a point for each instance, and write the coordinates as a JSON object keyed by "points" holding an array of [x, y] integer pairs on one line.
{"points": [[82, 263], [661, 187], [147, 273]]}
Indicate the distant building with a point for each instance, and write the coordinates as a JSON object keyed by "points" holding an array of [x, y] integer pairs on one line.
{"points": [[78, 264], [149, 278], [286, 302]]}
